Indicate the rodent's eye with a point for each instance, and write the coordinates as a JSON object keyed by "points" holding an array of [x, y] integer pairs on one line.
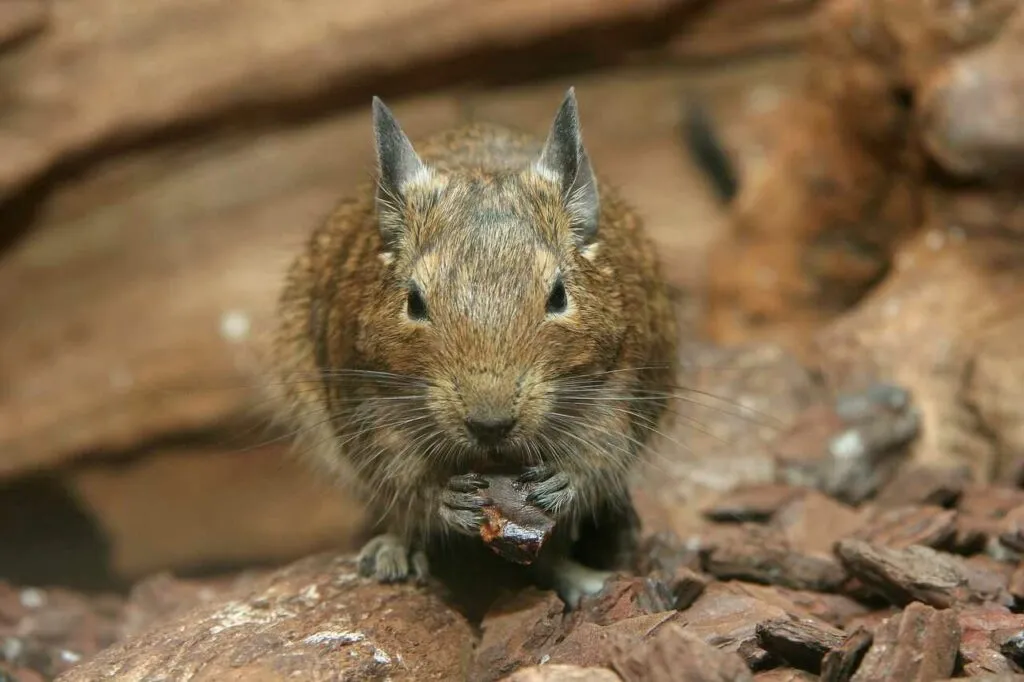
{"points": [[415, 306], [558, 301]]}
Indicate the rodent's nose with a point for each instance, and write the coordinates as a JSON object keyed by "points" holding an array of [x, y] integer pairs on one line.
{"points": [[490, 430]]}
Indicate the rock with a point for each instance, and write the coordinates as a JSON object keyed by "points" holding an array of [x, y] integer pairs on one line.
{"points": [[686, 586], [1012, 535], [1016, 584], [840, 664], [21, 20], [204, 56], [811, 231], [813, 522], [922, 484], [589, 644], [733, 29], [971, 108], [162, 597], [562, 673], [674, 654], [726, 616], [852, 448], [835, 609], [784, 675], [758, 502], [918, 645], [314, 619], [517, 631], [1013, 648], [801, 643], [917, 574], [661, 554], [756, 658], [914, 330], [219, 507], [625, 597], [732, 403], [901, 527], [875, 57], [10, 673], [765, 557], [984, 516], [988, 639], [50, 631]]}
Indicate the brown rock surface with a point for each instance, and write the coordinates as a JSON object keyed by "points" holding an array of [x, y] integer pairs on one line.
{"points": [[227, 508], [732, 403], [918, 573], [811, 231], [901, 527], [752, 502], [562, 673], [765, 557], [986, 630], [940, 326], [514, 630], [315, 619], [842, 662], [205, 60], [801, 643], [20, 20], [919, 644], [674, 654], [589, 644], [972, 107], [851, 448], [921, 484]]}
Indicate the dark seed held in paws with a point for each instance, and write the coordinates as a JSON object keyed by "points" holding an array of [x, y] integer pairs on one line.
{"points": [[512, 528]]}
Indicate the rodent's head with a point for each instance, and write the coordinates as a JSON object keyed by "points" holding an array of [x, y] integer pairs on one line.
{"points": [[493, 292]]}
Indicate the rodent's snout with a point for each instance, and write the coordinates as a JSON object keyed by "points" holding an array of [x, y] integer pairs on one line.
{"points": [[489, 408], [490, 430]]}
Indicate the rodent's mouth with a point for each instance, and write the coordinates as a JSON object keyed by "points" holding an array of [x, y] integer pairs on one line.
{"points": [[507, 458]]}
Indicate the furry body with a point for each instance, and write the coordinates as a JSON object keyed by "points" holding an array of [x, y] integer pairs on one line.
{"points": [[481, 307]]}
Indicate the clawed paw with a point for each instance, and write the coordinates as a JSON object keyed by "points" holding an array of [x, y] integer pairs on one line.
{"points": [[462, 503], [552, 490], [387, 559]]}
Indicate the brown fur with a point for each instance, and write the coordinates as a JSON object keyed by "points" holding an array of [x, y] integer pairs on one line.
{"points": [[483, 235]]}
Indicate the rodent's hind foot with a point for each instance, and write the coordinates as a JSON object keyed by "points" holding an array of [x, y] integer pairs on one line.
{"points": [[573, 581], [387, 559]]}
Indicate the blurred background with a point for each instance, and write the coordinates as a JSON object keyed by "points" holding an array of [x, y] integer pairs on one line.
{"points": [[160, 163]]}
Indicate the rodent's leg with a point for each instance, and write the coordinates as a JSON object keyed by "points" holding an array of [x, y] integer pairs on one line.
{"points": [[572, 580], [387, 558], [461, 507], [554, 491]]}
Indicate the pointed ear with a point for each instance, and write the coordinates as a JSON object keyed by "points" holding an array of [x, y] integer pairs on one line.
{"points": [[397, 165], [565, 158]]}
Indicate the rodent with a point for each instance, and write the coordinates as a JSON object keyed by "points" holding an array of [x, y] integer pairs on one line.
{"points": [[485, 303]]}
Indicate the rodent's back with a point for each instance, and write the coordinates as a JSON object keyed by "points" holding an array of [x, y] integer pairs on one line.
{"points": [[341, 349]]}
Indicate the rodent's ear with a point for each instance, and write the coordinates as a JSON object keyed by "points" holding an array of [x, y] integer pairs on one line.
{"points": [[565, 157], [397, 165]]}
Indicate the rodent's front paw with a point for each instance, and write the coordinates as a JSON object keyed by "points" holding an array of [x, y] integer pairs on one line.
{"points": [[462, 504], [552, 490], [387, 559]]}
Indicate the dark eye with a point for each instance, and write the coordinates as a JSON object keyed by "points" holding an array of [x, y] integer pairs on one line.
{"points": [[557, 300], [415, 306]]}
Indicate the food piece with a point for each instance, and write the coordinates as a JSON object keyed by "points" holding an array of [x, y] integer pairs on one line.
{"points": [[514, 529]]}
